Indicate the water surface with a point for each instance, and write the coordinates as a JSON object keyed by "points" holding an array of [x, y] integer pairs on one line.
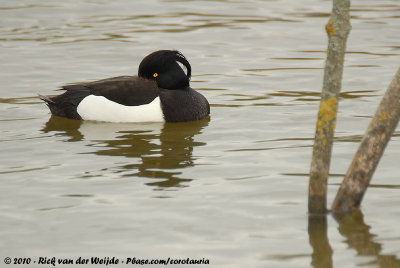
{"points": [[231, 188]]}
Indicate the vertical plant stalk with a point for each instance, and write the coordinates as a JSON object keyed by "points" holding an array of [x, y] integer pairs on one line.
{"points": [[371, 149], [337, 28]]}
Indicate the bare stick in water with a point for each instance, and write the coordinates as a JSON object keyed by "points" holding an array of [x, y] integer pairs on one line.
{"points": [[371, 149], [337, 28]]}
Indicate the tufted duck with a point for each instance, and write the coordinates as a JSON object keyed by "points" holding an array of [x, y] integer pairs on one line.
{"points": [[160, 92]]}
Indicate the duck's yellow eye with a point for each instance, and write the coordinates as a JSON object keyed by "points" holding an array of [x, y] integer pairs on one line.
{"points": [[155, 74]]}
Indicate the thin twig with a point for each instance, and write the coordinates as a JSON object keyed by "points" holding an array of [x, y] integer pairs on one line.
{"points": [[370, 151], [337, 28]]}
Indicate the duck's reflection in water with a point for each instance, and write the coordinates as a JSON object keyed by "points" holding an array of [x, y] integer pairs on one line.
{"points": [[158, 150]]}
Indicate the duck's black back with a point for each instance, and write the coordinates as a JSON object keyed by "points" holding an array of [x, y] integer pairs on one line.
{"points": [[125, 90]]}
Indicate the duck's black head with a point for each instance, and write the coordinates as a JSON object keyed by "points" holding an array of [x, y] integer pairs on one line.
{"points": [[163, 67]]}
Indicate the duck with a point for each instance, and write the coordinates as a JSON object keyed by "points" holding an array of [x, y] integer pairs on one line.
{"points": [[160, 92]]}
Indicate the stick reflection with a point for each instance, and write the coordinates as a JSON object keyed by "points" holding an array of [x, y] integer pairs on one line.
{"points": [[318, 235], [358, 237]]}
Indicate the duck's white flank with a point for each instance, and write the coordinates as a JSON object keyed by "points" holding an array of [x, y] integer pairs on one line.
{"points": [[99, 108]]}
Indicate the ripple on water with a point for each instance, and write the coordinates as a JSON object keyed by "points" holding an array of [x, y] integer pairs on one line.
{"points": [[231, 188]]}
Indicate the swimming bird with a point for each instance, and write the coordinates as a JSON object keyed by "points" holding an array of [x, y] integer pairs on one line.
{"points": [[160, 92]]}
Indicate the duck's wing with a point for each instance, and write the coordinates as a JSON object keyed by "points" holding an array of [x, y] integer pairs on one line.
{"points": [[125, 90]]}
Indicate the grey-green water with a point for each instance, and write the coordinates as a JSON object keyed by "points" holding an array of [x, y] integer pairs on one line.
{"points": [[231, 189]]}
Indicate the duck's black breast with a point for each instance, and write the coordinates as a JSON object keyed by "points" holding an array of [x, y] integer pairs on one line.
{"points": [[183, 105]]}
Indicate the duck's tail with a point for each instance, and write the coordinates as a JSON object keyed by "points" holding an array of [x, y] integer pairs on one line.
{"points": [[46, 99], [63, 105]]}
